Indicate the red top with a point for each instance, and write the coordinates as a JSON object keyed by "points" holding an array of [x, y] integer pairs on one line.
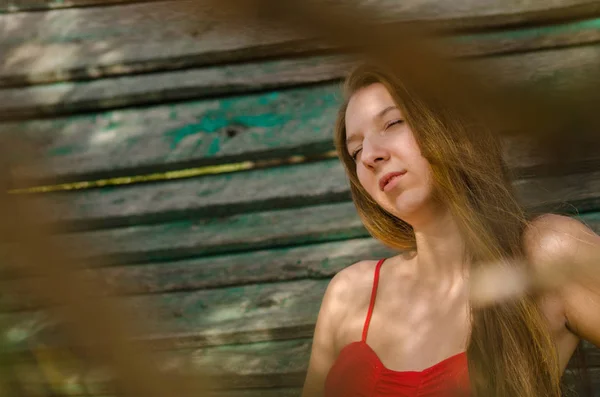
{"points": [[359, 372]]}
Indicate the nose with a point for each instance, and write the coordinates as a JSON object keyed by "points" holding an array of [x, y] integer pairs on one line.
{"points": [[374, 154]]}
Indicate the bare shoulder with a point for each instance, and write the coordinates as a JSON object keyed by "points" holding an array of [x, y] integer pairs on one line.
{"points": [[551, 238], [346, 287], [566, 247], [342, 294]]}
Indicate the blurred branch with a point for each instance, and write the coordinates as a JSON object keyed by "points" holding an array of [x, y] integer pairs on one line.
{"points": [[94, 322], [562, 128], [415, 53]]}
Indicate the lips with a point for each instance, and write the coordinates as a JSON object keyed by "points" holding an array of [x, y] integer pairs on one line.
{"points": [[387, 178]]}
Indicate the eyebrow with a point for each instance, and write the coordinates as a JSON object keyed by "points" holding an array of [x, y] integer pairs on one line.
{"points": [[384, 111], [379, 116]]}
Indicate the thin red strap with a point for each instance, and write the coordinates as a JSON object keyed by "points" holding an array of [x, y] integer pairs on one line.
{"points": [[372, 303]]}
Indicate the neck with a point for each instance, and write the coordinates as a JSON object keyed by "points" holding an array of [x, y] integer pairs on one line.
{"points": [[440, 246]]}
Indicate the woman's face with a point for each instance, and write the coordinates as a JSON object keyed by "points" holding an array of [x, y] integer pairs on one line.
{"points": [[388, 160]]}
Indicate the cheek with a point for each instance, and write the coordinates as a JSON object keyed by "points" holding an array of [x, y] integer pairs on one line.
{"points": [[366, 179], [423, 176], [423, 169]]}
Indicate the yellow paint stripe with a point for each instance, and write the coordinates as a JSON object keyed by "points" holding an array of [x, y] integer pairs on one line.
{"points": [[176, 174]]}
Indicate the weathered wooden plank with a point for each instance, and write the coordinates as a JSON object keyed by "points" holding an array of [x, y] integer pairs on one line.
{"points": [[276, 124], [254, 392], [270, 364], [213, 196], [240, 314], [243, 370], [274, 360], [524, 69], [261, 312], [210, 236], [525, 39], [8, 6], [144, 89], [271, 358], [296, 250], [279, 187], [314, 261], [270, 392], [575, 386], [246, 370], [243, 314], [103, 41], [533, 11], [87, 43], [543, 70], [591, 357], [568, 194], [279, 263]]}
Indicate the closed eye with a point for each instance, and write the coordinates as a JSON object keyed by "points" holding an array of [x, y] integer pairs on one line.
{"points": [[355, 153], [392, 123]]}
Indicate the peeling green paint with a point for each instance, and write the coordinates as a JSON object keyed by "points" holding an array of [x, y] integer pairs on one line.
{"points": [[61, 151], [214, 147], [264, 120], [269, 111], [112, 124], [268, 98]]}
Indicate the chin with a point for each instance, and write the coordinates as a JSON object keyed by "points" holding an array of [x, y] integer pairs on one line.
{"points": [[410, 203]]}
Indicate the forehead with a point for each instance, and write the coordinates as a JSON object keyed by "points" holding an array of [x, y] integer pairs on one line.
{"points": [[365, 105]]}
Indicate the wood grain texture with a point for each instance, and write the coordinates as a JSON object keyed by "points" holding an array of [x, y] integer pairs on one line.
{"points": [[70, 44], [568, 194], [102, 41], [279, 366], [282, 187], [146, 89], [268, 367], [270, 364], [546, 69], [211, 196], [414, 9], [296, 362], [275, 124], [11, 6], [183, 259], [165, 137], [213, 235], [243, 314], [314, 261], [253, 392], [579, 387], [270, 392], [234, 315], [257, 363]]}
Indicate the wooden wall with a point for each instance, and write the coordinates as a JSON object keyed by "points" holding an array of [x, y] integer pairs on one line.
{"points": [[196, 157]]}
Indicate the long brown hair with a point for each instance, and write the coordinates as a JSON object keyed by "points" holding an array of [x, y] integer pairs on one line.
{"points": [[511, 352]]}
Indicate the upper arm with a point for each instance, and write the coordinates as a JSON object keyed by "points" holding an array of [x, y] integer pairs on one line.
{"points": [[324, 352], [568, 245]]}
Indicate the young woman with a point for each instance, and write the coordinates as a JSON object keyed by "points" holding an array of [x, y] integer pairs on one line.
{"points": [[435, 187]]}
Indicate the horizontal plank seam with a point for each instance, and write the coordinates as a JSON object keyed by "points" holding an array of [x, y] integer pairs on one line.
{"points": [[271, 159], [186, 173], [141, 100], [172, 64], [529, 50], [588, 11], [12, 10], [547, 17]]}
